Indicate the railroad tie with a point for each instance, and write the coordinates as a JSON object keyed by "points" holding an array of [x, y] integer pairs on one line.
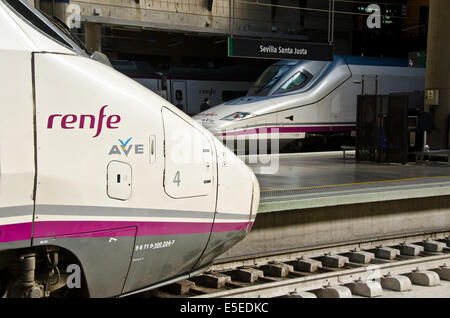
{"points": [[447, 241], [306, 265], [424, 278], [388, 253], [179, 288], [335, 261], [300, 295], [277, 269], [246, 275], [411, 249], [365, 288], [443, 272], [433, 246], [212, 280], [397, 283], [361, 257], [333, 292]]}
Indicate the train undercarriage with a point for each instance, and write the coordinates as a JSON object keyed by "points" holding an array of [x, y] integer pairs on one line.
{"points": [[40, 273]]}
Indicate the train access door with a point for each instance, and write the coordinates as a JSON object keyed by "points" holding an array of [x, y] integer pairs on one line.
{"points": [[179, 95], [189, 159]]}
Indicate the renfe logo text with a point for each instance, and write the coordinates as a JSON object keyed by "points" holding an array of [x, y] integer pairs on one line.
{"points": [[72, 121]]}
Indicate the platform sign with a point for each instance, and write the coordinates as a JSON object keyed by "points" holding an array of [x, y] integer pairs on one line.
{"points": [[283, 50]]}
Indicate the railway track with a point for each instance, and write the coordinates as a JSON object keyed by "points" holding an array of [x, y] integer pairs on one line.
{"points": [[362, 269]]}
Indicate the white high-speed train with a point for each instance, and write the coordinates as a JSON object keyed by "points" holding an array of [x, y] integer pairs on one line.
{"points": [[295, 100], [106, 189]]}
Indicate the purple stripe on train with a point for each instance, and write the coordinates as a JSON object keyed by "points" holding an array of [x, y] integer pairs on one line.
{"points": [[77, 229], [15, 232], [281, 130]]}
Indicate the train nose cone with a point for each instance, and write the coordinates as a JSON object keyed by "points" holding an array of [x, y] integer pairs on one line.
{"points": [[238, 191], [255, 203], [236, 206]]}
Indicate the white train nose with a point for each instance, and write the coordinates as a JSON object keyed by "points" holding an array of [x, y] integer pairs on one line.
{"points": [[238, 188], [255, 202], [237, 203]]}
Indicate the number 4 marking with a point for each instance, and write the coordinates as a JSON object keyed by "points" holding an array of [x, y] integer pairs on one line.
{"points": [[177, 179]]}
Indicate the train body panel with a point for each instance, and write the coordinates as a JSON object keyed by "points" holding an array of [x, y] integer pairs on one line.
{"points": [[188, 94], [101, 171], [127, 145], [304, 98], [194, 92], [187, 88], [104, 254], [17, 170]]}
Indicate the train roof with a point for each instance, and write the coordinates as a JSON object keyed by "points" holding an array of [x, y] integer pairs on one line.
{"points": [[376, 61], [359, 60]]}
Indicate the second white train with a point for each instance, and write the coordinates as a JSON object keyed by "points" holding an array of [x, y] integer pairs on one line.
{"points": [[294, 100]]}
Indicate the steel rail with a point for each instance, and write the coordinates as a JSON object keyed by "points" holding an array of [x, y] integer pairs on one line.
{"points": [[334, 278], [229, 263]]}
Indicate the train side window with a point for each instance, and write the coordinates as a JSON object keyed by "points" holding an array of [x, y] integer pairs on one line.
{"points": [[297, 81], [179, 95]]}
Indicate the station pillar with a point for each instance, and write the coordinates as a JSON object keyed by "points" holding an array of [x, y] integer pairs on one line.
{"points": [[52, 8], [93, 37], [438, 70]]}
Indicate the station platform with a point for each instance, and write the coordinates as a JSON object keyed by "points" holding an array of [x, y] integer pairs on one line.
{"points": [[312, 180], [321, 200]]}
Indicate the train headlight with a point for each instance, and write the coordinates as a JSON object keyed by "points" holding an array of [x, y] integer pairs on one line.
{"points": [[238, 116]]}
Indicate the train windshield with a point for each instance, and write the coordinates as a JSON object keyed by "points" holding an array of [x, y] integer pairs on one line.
{"points": [[297, 81], [268, 79], [284, 78], [50, 26]]}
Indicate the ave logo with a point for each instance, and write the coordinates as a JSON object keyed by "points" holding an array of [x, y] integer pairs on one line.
{"points": [[125, 147]]}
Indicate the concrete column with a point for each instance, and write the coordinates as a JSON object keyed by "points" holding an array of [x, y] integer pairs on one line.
{"points": [[52, 8], [438, 68], [93, 39]]}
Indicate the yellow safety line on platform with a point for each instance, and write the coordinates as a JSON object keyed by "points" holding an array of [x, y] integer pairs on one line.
{"points": [[355, 183]]}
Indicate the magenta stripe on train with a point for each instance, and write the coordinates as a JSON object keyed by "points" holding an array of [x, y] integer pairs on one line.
{"points": [[69, 229], [15, 232], [281, 130]]}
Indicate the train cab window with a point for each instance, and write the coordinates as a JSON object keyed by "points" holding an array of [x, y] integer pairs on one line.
{"points": [[297, 81], [268, 79], [51, 27]]}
